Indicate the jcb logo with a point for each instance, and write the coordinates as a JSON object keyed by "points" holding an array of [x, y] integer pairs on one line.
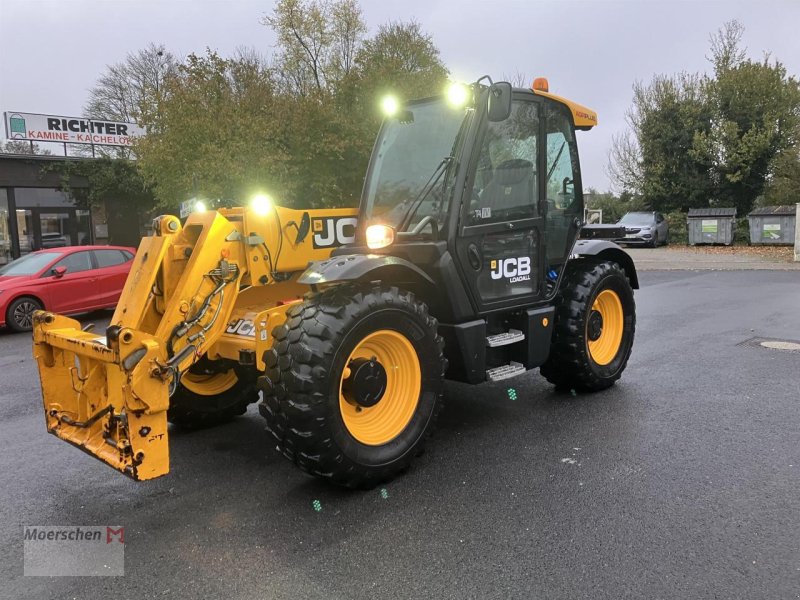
{"points": [[243, 327], [513, 269], [330, 232]]}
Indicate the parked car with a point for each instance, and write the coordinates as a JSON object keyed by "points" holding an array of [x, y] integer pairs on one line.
{"points": [[646, 228], [67, 280]]}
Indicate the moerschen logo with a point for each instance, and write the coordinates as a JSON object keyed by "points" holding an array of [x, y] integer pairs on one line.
{"points": [[17, 126]]}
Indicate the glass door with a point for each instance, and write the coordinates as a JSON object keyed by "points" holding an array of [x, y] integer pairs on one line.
{"points": [[55, 229], [25, 232], [5, 229]]}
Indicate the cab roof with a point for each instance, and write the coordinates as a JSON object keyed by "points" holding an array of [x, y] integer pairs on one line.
{"points": [[582, 116]]}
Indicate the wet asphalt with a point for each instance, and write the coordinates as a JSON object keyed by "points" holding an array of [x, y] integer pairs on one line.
{"points": [[682, 481]]}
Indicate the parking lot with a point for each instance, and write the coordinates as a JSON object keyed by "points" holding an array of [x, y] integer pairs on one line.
{"points": [[679, 482]]}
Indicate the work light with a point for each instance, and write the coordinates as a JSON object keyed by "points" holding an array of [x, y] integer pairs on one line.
{"points": [[390, 105], [261, 204]]}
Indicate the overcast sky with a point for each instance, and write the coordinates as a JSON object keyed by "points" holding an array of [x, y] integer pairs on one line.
{"points": [[591, 51]]}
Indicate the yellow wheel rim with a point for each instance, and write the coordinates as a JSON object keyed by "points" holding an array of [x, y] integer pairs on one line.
{"points": [[379, 424], [209, 385], [603, 349]]}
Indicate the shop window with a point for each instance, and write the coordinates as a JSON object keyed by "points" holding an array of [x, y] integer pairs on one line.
{"points": [[44, 197]]}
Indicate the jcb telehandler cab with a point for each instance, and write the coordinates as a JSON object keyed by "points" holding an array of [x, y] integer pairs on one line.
{"points": [[463, 262]]}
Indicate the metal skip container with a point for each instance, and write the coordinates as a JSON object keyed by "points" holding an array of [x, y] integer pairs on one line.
{"points": [[773, 225], [711, 225]]}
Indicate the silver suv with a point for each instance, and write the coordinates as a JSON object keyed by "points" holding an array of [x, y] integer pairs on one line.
{"points": [[646, 228]]}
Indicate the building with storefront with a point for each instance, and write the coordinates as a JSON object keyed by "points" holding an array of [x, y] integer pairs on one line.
{"points": [[35, 213]]}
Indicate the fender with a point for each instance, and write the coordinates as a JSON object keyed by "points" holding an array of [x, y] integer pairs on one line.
{"points": [[355, 267], [608, 251]]}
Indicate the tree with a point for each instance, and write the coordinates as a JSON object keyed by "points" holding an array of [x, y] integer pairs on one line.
{"points": [[22, 147], [721, 140], [317, 41], [129, 91], [299, 127], [221, 134], [755, 119], [656, 158], [400, 59], [783, 184], [614, 207]]}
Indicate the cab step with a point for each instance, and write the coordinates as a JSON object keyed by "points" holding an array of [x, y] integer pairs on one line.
{"points": [[512, 369], [512, 336]]}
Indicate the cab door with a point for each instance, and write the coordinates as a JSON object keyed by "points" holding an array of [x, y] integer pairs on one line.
{"points": [[499, 243]]}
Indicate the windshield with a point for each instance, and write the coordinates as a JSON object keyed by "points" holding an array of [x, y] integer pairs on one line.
{"points": [[637, 219], [29, 264], [409, 153]]}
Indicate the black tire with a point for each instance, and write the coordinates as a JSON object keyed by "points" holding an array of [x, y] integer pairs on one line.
{"points": [[301, 389], [19, 316], [190, 410], [570, 364]]}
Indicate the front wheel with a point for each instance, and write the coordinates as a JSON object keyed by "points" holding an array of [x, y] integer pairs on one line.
{"points": [[354, 383], [19, 316], [594, 326]]}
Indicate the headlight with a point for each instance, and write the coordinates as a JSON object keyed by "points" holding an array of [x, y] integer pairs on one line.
{"points": [[379, 236]]}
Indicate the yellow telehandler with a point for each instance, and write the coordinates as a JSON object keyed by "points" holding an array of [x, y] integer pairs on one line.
{"points": [[464, 261]]}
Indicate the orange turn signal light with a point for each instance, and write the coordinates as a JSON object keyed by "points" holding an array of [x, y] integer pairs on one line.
{"points": [[540, 84], [379, 236]]}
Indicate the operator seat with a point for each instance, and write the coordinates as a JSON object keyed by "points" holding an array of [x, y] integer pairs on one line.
{"points": [[511, 189]]}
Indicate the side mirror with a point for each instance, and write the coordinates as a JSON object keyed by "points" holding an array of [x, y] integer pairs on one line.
{"points": [[302, 229], [58, 272], [499, 101]]}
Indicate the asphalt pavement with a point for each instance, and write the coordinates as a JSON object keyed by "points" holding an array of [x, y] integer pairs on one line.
{"points": [[681, 481]]}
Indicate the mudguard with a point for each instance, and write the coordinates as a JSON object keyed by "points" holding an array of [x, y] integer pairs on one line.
{"points": [[610, 251], [356, 267]]}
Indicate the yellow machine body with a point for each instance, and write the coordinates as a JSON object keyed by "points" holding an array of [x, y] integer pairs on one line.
{"points": [[215, 286]]}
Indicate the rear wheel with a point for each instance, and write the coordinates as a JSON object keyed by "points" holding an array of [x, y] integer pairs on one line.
{"points": [[594, 327], [354, 383], [208, 395], [19, 315]]}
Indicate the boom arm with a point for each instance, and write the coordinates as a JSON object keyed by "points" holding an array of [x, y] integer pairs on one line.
{"points": [[109, 395]]}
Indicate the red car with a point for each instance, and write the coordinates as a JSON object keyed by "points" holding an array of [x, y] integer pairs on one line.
{"points": [[64, 280]]}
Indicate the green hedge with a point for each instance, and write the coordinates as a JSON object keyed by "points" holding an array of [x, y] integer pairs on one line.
{"points": [[678, 231], [742, 235]]}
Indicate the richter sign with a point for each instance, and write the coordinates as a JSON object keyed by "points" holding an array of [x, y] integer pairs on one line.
{"points": [[72, 130]]}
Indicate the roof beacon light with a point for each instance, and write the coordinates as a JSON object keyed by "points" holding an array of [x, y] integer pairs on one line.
{"points": [[540, 84], [200, 206]]}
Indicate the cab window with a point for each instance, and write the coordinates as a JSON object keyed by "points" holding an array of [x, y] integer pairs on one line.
{"points": [[563, 204], [506, 180]]}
